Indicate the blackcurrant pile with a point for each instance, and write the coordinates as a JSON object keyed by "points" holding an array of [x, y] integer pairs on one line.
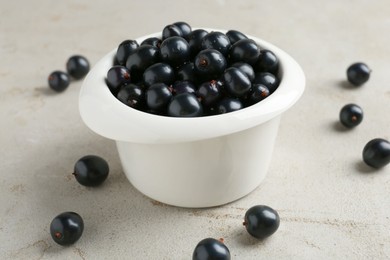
{"points": [[192, 73]]}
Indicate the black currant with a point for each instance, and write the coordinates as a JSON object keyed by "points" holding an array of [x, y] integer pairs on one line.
{"points": [[234, 36], [132, 95], [358, 73], [261, 221], [158, 96], [58, 80], [209, 64], [77, 66], [218, 41], [267, 62], [158, 73], [185, 105], [209, 249], [245, 50], [351, 115], [175, 51], [91, 170], [257, 93], [227, 105], [246, 68], [267, 79], [195, 41], [209, 93], [185, 28], [376, 153], [236, 82], [170, 31], [117, 76], [125, 48], [152, 41], [66, 228]]}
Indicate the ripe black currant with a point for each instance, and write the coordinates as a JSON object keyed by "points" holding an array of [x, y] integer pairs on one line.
{"points": [[91, 170], [58, 80], [351, 115], [77, 66], [376, 153], [261, 221], [211, 248], [66, 228], [358, 73]]}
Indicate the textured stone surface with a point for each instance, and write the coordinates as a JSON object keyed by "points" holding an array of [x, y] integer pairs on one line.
{"points": [[331, 205]]}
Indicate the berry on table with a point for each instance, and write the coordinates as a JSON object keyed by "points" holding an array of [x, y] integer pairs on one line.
{"points": [[77, 66], [351, 115], [261, 221], [211, 248], [58, 80], [358, 73], [66, 228], [91, 170], [376, 153]]}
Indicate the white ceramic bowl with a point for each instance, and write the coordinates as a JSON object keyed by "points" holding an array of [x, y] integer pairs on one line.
{"points": [[191, 162]]}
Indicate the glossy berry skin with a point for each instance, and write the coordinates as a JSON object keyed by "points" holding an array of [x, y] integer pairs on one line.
{"points": [[245, 50], [234, 36], [376, 153], [185, 105], [228, 105], [246, 68], [117, 76], [132, 96], [195, 41], [152, 41], [209, 64], [267, 79], [236, 82], [358, 73], [175, 51], [185, 28], [158, 96], [218, 41], [170, 31], [211, 249], [58, 80], [267, 62], [186, 72], [91, 170], [139, 60], [77, 66], [257, 93], [183, 87], [158, 73], [261, 221], [209, 93], [125, 48], [66, 228], [351, 115]]}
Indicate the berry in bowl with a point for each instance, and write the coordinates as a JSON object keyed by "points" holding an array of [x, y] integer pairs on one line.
{"points": [[194, 112]]}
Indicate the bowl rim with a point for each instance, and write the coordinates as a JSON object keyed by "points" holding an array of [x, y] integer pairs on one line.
{"points": [[104, 114]]}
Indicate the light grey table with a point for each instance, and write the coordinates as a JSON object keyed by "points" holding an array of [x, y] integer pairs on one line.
{"points": [[331, 205]]}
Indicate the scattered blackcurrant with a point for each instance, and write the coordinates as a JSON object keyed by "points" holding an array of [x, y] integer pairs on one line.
{"points": [[376, 153], [358, 73], [211, 248], [351, 115], [66, 228], [58, 80], [261, 221], [77, 66], [91, 170]]}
